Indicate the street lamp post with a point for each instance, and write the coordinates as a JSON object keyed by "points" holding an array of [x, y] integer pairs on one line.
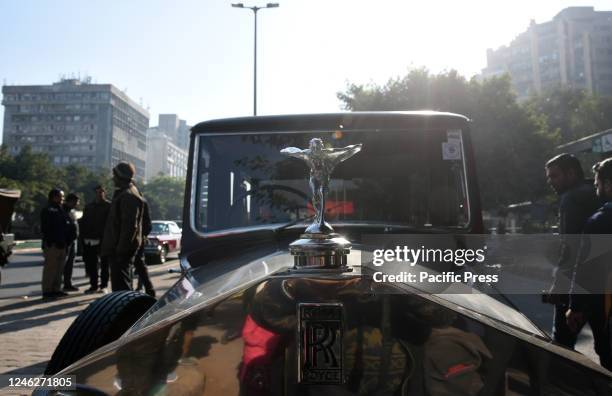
{"points": [[255, 9]]}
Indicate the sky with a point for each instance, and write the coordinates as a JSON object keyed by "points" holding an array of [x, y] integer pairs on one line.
{"points": [[194, 58]]}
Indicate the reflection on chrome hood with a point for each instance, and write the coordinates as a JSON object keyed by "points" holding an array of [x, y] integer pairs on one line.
{"points": [[205, 285]]}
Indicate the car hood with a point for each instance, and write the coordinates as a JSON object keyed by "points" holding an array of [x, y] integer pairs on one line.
{"points": [[204, 285]]}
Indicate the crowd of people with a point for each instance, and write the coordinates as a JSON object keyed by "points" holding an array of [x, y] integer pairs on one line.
{"points": [[579, 281], [112, 235]]}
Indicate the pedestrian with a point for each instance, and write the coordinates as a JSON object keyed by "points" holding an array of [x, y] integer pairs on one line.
{"points": [[91, 232], [123, 229], [54, 224], [591, 273], [70, 206], [577, 202], [140, 264]]}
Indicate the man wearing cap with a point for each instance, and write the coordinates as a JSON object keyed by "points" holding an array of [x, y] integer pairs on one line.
{"points": [[91, 232], [123, 230]]}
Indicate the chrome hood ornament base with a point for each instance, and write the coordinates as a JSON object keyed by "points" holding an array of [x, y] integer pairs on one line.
{"points": [[319, 247]]}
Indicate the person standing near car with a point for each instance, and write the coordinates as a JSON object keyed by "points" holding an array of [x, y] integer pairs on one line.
{"points": [[123, 229], [91, 232], [55, 228], [591, 273], [72, 202], [577, 202], [139, 261]]}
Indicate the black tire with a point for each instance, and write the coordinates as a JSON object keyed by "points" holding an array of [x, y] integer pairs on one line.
{"points": [[102, 322]]}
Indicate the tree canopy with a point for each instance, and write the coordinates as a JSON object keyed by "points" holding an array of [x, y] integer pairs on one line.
{"points": [[35, 175], [571, 113], [165, 196]]}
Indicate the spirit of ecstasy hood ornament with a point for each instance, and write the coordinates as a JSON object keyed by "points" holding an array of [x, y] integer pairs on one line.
{"points": [[321, 162], [319, 247]]}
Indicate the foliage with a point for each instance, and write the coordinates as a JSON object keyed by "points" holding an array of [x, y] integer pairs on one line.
{"points": [[572, 113], [35, 175], [511, 143], [165, 196]]}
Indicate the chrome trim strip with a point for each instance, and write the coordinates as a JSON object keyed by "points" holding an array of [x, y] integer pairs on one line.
{"points": [[465, 180], [194, 185]]}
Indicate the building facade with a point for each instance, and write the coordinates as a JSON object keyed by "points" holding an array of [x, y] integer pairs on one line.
{"points": [[176, 129], [183, 134], [164, 157], [573, 50], [76, 122]]}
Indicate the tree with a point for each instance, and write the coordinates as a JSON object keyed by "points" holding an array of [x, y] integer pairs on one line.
{"points": [[511, 143], [417, 90], [35, 175], [165, 196], [572, 113], [82, 181]]}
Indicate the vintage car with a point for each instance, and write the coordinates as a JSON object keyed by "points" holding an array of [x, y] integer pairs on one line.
{"points": [[165, 238], [8, 198], [277, 296]]}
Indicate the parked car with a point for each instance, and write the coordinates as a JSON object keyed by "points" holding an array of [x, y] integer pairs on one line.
{"points": [[165, 238], [265, 308], [8, 198]]}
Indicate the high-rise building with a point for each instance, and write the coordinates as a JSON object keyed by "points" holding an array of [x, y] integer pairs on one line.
{"points": [[572, 50], [76, 122], [176, 129], [164, 157], [169, 124], [182, 139]]}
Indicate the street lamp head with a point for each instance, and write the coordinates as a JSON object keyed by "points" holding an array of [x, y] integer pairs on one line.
{"points": [[271, 5], [238, 5]]}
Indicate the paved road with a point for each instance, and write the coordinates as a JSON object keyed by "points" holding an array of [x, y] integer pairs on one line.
{"points": [[30, 328], [22, 277]]}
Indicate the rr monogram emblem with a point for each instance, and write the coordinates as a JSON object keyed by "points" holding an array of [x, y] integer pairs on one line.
{"points": [[320, 343]]}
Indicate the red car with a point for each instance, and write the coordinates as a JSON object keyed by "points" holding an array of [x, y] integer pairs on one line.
{"points": [[165, 238]]}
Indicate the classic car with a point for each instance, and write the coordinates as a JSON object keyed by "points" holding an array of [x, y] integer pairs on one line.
{"points": [[165, 238], [277, 297], [8, 198]]}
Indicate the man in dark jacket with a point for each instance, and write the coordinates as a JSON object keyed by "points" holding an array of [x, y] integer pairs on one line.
{"points": [[577, 202], [91, 232], [123, 230], [594, 264], [54, 224], [139, 261], [72, 202]]}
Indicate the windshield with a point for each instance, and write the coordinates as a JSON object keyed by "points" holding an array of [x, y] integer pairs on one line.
{"points": [[401, 177], [159, 228]]}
